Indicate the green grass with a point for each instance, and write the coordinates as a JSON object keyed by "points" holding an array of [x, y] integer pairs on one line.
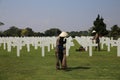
{"points": [[31, 65]]}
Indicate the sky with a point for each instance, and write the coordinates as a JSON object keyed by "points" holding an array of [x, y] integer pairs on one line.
{"points": [[66, 15]]}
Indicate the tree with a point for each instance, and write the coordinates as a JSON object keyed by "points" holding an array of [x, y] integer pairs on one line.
{"points": [[12, 31], [74, 33], [29, 32], [24, 32], [39, 34], [1, 34], [100, 26], [84, 33], [52, 32], [115, 31], [1, 23]]}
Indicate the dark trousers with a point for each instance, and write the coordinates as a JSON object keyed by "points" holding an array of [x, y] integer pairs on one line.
{"points": [[61, 59], [97, 47], [60, 55]]}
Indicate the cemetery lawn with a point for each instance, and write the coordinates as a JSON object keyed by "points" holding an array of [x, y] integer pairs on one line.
{"points": [[102, 65]]}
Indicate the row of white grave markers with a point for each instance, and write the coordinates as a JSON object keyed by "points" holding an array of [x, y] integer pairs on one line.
{"points": [[88, 42], [105, 41], [19, 42], [110, 43], [116, 43], [68, 45]]}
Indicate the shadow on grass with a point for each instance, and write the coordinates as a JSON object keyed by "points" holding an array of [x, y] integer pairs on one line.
{"points": [[76, 68]]}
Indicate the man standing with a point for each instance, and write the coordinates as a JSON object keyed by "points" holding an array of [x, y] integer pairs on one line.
{"points": [[97, 40]]}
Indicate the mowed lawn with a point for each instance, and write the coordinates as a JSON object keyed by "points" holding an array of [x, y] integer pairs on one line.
{"points": [[31, 65]]}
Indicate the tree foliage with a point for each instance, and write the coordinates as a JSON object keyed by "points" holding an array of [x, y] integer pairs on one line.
{"points": [[24, 32], [30, 32], [39, 34], [1, 23], [78, 33], [12, 31], [52, 32], [115, 31], [100, 26]]}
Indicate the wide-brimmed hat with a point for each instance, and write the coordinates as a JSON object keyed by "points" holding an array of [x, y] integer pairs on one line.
{"points": [[93, 31], [63, 34]]}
